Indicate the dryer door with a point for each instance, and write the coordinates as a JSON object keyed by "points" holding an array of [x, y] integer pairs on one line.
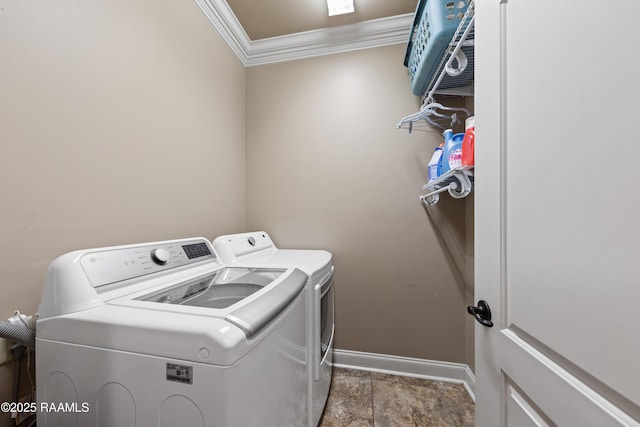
{"points": [[323, 339]]}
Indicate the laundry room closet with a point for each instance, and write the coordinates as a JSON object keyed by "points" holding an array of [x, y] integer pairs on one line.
{"points": [[132, 121]]}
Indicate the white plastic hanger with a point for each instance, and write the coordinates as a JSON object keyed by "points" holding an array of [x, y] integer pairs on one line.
{"points": [[432, 104], [428, 117]]}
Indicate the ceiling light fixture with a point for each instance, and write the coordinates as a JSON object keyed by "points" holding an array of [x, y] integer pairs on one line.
{"points": [[338, 7]]}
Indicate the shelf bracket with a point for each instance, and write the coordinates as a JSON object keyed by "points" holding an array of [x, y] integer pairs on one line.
{"points": [[433, 197], [458, 182]]}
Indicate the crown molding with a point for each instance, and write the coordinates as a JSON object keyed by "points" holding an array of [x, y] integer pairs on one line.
{"points": [[343, 38], [307, 44]]}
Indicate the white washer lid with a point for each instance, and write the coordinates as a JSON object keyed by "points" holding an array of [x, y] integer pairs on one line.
{"points": [[315, 263]]}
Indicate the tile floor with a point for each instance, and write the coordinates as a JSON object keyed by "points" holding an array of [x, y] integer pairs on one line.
{"points": [[361, 398]]}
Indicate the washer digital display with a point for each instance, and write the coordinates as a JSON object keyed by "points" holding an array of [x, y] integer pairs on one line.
{"points": [[196, 250]]}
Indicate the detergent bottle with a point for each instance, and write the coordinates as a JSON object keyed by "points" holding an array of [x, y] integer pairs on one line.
{"points": [[447, 134], [468, 142], [432, 166], [452, 152]]}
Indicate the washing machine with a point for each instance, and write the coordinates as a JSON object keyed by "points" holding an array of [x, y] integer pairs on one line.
{"points": [[257, 250], [162, 334]]}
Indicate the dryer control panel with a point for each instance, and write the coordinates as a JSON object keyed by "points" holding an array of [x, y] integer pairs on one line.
{"points": [[232, 247], [111, 265]]}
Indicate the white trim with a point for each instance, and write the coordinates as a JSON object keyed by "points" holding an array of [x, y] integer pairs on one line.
{"points": [[343, 38], [470, 382], [408, 367], [307, 44]]}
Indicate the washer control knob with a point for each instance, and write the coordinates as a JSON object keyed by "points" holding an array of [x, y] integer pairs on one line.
{"points": [[160, 256], [251, 240]]}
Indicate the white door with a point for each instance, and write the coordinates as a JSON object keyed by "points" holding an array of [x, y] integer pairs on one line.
{"points": [[558, 212]]}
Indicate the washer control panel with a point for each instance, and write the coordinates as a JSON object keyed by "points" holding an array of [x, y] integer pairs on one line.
{"points": [[108, 266]]}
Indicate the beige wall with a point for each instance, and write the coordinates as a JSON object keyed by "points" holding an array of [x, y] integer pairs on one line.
{"points": [[120, 121], [326, 168]]}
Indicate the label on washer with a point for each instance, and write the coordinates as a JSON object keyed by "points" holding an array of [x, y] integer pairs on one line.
{"points": [[180, 373]]}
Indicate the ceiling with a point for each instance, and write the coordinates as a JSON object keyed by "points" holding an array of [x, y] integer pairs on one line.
{"points": [[270, 18]]}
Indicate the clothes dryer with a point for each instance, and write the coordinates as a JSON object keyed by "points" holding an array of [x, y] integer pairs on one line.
{"points": [[257, 250], [162, 334]]}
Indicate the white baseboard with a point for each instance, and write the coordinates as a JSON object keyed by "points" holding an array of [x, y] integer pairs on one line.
{"points": [[408, 367]]}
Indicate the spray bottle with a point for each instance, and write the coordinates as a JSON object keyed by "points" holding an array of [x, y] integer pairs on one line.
{"points": [[432, 166]]}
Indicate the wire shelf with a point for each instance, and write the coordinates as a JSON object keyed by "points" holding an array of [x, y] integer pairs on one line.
{"points": [[458, 182], [454, 75], [463, 40]]}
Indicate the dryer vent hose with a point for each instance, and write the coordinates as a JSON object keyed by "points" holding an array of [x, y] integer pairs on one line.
{"points": [[18, 334]]}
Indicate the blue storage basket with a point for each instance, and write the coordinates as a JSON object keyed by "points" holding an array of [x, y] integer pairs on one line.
{"points": [[434, 24]]}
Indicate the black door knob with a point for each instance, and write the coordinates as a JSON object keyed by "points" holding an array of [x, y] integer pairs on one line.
{"points": [[482, 313]]}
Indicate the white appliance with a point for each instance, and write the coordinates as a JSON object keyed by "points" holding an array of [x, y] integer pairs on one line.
{"points": [[161, 334], [257, 250]]}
